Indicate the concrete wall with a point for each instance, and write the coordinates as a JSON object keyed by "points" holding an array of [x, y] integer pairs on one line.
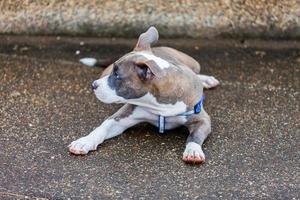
{"points": [[188, 18]]}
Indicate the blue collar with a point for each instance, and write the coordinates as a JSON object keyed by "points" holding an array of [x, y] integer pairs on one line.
{"points": [[197, 109]]}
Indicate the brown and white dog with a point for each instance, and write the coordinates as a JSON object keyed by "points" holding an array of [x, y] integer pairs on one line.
{"points": [[154, 84]]}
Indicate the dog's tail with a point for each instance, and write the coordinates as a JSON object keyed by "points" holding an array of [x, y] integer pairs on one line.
{"points": [[93, 62]]}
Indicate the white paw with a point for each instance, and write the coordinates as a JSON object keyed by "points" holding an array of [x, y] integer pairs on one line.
{"points": [[208, 81], [82, 146], [193, 153]]}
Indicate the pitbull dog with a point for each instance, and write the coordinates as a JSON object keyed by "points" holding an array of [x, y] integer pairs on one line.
{"points": [[158, 85]]}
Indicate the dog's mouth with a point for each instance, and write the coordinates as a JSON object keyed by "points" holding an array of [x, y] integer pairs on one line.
{"points": [[105, 98]]}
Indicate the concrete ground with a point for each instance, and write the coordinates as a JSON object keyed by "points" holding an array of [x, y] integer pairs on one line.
{"points": [[46, 102], [122, 18]]}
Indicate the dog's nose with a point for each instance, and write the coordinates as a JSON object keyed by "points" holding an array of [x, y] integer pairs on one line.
{"points": [[94, 85]]}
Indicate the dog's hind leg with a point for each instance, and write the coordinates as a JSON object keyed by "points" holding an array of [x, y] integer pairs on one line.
{"points": [[208, 81], [111, 127]]}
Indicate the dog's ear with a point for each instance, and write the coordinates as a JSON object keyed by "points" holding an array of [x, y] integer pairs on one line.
{"points": [[147, 70], [147, 39]]}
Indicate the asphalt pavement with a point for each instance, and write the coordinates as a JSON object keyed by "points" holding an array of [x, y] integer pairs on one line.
{"points": [[46, 102]]}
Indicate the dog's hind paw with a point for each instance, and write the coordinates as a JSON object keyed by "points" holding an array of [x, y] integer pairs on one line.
{"points": [[208, 81], [193, 154], [82, 146]]}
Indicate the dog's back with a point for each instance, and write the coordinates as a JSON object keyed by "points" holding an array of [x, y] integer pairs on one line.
{"points": [[177, 57]]}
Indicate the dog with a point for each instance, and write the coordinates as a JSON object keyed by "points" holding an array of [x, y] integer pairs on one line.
{"points": [[159, 85]]}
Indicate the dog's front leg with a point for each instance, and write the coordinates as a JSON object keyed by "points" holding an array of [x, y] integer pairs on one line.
{"points": [[199, 127], [111, 127]]}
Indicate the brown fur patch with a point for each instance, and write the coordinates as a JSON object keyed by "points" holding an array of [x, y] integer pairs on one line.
{"points": [[123, 112], [179, 84], [176, 57]]}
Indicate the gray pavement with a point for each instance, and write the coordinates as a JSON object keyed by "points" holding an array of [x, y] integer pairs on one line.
{"points": [[46, 102]]}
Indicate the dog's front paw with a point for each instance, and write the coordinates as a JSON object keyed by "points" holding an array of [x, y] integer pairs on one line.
{"points": [[82, 146], [193, 153]]}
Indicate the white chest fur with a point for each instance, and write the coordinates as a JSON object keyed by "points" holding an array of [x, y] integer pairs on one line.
{"points": [[171, 122], [149, 103]]}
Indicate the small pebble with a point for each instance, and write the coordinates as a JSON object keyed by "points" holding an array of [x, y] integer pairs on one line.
{"points": [[15, 47], [15, 94], [260, 53], [24, 49]]}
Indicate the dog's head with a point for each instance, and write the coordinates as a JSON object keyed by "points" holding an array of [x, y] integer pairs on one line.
{"points": [[132, 75], [139, 77]]}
